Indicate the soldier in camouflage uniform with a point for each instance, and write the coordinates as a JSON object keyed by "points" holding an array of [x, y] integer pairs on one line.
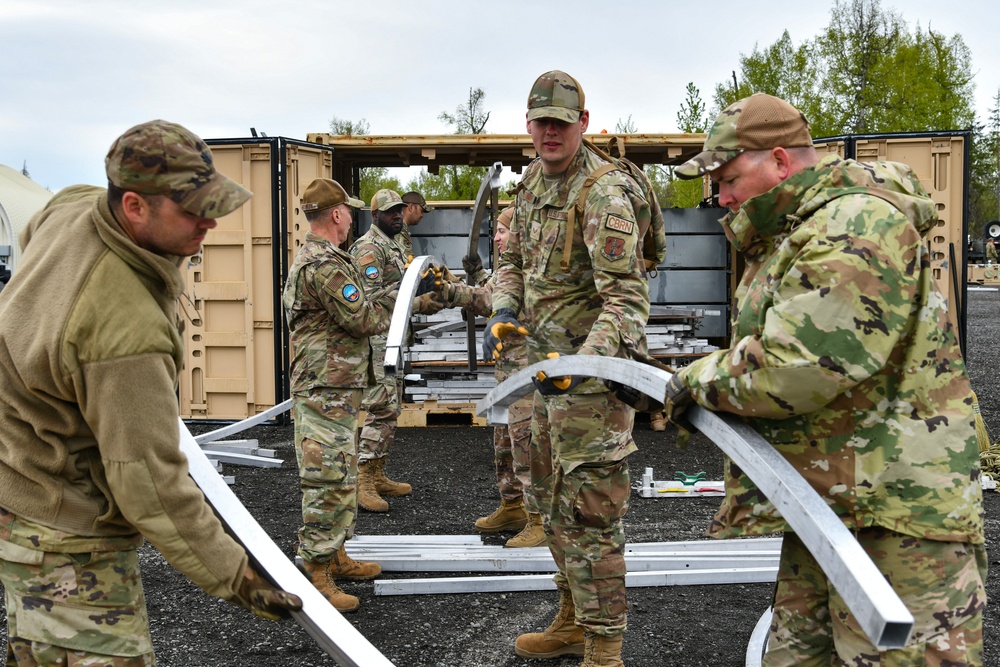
{"points": [[416, 206], [330, 316], [575, 288], [382, 263], [845, 359], [89, 457], [511, 441]]}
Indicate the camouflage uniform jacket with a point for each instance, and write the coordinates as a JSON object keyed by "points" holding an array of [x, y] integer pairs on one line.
{"points": [[404, 241], [330, 316], [844, 357], [598, 303], [381, 261], [88, 404]]}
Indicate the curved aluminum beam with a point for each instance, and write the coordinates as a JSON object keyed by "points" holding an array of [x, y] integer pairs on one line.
{"points": [[757, 645], [487, 195], [881, 614], [395, 339], [226, 431], [332, 632]]}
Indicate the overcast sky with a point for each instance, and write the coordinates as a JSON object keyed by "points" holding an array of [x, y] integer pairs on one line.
{"points": [[74, 74]]}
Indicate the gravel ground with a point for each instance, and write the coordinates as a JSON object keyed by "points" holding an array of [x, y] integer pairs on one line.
{"points": [[451, 471]]}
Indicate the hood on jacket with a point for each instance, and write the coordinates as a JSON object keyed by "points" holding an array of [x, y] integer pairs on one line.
{"points": [[802, 194]]}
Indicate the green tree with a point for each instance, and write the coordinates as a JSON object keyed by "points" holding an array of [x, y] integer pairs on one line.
{"points": [[865, 72], [457, 182], [984, 190], [781, 69], [350, 128], [693, 116], [372, 179], [469, 118], [625, 126], [868, 72]]}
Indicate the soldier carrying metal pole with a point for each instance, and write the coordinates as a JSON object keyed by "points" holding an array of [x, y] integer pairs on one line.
{"points": [[575, 286], [844, 357]]}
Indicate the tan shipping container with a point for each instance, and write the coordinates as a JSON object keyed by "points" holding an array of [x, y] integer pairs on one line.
{"points": [[235, 337]]}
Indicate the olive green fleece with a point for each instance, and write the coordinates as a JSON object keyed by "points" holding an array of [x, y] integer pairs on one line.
{"points": [[89, 356]]}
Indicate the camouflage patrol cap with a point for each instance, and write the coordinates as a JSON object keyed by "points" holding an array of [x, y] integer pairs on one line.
{"points": [[758, 122], [326, 193], [556, 95], [414, 197], [385, 199], [162, 158]]}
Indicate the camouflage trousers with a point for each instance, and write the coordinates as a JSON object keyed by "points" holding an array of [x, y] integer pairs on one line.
{"points": [[382, 404], [941, 583], [512, 454], [326, 427], [580, 480], [76, 609]]}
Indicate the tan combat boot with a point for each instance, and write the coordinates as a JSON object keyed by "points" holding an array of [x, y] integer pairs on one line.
{"points": [[658, 421], [533, 534], [386, 486], [511, 515], [562, 637], [319, 576], [602, 651], [368, 497], [343, 566]]}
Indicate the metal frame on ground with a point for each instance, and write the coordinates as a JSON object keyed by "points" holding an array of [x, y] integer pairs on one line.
{"points": [[331, 631], [881, 614]]}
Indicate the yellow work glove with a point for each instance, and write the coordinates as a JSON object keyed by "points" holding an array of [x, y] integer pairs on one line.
{"points": [[553, 386], [264, 600], [429, 281], [500, 324]]}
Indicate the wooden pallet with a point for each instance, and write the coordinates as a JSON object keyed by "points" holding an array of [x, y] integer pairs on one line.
{"points": [[432, 413]]}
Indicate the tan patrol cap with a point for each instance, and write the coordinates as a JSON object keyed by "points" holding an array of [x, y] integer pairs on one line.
{"points": [[505, 216], [414, 197], [755, 123], [326, 193], [385, 199]]}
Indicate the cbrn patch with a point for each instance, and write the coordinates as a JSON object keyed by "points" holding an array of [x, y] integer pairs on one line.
{"points": [[619, 224]]}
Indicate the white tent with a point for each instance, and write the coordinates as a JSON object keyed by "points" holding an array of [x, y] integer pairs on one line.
{"points": [[20, 198]]}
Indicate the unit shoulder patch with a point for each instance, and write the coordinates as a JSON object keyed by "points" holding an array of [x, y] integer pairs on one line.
{"points": [[614, 248], [342, 288], [619, 224]]}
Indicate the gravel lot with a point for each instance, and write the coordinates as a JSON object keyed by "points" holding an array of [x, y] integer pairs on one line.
{"points": [[451, 471]]}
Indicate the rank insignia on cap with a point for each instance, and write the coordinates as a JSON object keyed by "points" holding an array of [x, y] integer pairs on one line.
{"points": [[619, 224], [371, 273], [351, 292], [614, 248]]}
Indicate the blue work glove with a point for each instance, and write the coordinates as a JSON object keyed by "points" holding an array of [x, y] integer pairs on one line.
{"points": [[500, 324], [554, 386]]}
